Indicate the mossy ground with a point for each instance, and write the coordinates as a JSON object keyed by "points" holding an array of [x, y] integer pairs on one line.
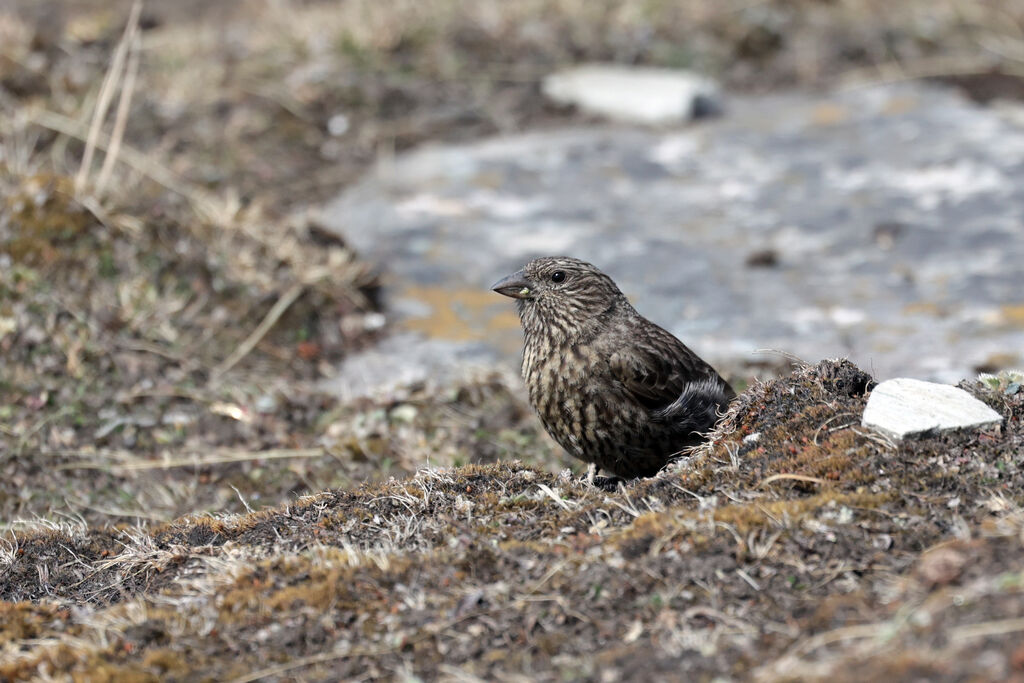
{"points": [[816, 550], [135, 435]]}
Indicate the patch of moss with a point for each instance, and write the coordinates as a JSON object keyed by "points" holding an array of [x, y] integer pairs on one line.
{"points": [[46, 222]]}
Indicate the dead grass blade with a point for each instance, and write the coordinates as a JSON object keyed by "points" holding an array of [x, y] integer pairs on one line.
{"points": [[792, 358], [931, 67], [121, 118], [204, 203], [276, 311], [109, 85], [794, 477], [217, 459], [985, 629], [550, 493]]}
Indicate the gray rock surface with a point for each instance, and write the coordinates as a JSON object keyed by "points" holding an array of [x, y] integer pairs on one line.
{"points": [[405, 360], [882, 224], [904, 408], [632, 94]]}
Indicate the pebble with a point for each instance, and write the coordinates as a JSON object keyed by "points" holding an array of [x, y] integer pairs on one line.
{"points": [[643, 95]]}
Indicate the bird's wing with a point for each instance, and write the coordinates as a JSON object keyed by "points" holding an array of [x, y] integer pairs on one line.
{"points": [[656, 367]]}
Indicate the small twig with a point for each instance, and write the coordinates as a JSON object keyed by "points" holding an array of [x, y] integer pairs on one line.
{"points": [[276, 311], [795, 477]]}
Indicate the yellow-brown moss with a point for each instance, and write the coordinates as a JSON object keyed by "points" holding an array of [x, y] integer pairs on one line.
{"points": [[46, 220]]}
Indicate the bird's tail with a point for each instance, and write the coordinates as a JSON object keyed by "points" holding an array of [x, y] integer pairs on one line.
{"points": [[696, 409]]}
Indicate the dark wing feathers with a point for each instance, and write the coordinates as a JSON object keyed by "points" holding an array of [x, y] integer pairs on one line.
{"points": [[656, 367]]}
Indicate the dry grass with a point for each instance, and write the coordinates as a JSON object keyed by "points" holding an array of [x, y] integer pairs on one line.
{"points": [[504, 570]]}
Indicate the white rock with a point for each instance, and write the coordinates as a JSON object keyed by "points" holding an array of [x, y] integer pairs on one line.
{"points": [[338, 125], [904, 407], [634, 94]]}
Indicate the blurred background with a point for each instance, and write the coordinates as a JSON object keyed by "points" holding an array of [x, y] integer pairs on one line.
{"points": [[246, 247]]}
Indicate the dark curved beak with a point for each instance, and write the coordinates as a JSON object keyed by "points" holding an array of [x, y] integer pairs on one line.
{"points": [[515, 285]]}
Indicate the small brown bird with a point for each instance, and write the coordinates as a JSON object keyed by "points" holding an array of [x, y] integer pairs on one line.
{"points": [[611, 387]]}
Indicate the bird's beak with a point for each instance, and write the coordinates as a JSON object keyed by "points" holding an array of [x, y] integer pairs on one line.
{"points": [[515, 285]]}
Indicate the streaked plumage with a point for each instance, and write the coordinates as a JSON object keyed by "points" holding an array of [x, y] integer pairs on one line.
{"points": [[611, 387]]}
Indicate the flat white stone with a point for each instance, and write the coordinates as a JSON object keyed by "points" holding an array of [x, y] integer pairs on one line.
{"points": [[903, 407], [633, 94]]}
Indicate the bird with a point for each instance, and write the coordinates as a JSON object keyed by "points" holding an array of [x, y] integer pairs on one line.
{"points": [[611, 387]]}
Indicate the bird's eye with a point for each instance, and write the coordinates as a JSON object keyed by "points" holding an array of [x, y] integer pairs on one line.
{"points": [[557, 276]]}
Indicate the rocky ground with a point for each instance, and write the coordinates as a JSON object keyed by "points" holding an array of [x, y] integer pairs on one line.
{"points": [[878, 223], [183, 495]]}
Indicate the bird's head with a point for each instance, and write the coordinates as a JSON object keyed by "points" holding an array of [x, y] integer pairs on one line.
{"points": [[560, 292]]}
